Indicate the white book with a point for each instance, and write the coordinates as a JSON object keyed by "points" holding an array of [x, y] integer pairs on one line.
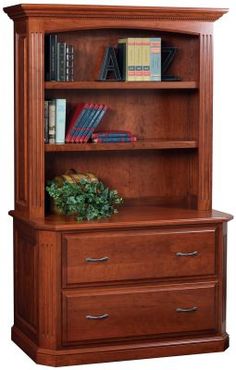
{"points": [[60, 120]]}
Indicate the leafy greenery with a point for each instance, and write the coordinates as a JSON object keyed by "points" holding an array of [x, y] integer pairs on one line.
{"points": [[89, 200]]}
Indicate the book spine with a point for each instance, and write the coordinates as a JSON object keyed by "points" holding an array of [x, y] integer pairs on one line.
{"points": [[61, 61], [60, 120], [146, 59], [138, 59], [46, 122], [86, 127], [81, 121], [130, 59], [52, 121], [105, 136], [77, 123], [69, 63], [155, 59], [115, 140], [72, 120], [53, 57], [89, 128], [47, 57], [111, 132], [95, 123]]}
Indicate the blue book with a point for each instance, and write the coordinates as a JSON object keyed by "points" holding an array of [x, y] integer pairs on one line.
{"points": [[80, 121], [60, 120], [89, 126], [87, 122], [115, 139], [94, 124], [155, 59]]}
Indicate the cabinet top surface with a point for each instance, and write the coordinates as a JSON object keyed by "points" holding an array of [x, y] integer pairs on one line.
{"points": [[94, 11]]}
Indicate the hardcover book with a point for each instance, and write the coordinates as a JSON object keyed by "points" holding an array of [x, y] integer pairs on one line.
{"points": [[60, 120]]}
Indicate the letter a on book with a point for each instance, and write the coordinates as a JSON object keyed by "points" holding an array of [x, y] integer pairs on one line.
{"points": [[110, 66]]}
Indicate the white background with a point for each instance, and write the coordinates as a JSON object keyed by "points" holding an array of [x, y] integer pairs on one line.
{"points": [[224, 185]]}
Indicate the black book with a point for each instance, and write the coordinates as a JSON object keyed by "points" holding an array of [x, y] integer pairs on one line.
{"points": [[61, 61], [51, 57], [69, 63]]}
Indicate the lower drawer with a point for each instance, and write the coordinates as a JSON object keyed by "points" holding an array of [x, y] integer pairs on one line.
{"points": [[134, 312]]}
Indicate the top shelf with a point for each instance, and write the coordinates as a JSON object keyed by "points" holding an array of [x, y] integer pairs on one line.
{"points": [[120, 85]]}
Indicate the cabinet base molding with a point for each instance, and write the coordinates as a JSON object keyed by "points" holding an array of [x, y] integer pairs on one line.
{"points": [[118, 352]]}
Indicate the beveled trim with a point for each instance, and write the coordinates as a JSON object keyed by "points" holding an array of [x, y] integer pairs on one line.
{"points": [[94, 11]]}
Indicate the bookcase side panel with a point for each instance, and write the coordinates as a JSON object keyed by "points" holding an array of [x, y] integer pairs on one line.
{"points": [[21, 124], [36, 123], [29, 121]]}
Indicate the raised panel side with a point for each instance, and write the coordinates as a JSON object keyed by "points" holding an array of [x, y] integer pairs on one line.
{"points": [[222, 271], [25, 279]]}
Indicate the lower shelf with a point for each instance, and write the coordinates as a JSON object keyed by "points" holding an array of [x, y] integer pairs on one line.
{"points": [[138, 145], [118, 352]]}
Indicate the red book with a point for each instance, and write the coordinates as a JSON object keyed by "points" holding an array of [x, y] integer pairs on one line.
{"points": [[72, 122]]}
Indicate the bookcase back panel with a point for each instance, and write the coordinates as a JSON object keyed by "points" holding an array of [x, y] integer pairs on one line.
{"points": [[148, 114], [162, 176], [89, 46]]}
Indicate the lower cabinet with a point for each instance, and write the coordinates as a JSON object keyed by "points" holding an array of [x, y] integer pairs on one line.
{"points": [[101, 295], [103, 314]]}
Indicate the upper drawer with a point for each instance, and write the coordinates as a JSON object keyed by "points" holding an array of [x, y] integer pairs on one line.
{"points": [[129, 255]]}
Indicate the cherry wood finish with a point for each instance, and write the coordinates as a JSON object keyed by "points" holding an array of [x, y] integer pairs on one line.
{"points": [[152, 279], [141, 144], [114, 85], [129, 255], [121, 313]]}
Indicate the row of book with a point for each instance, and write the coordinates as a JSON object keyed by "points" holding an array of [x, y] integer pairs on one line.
{"points": [[139, 59], [81, 126], [59, 59], [84, 121]]}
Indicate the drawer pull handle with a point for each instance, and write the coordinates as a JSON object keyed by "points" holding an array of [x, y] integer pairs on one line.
{"points": [[191, 309], [187, 254], [97, 317], [102, 259]]}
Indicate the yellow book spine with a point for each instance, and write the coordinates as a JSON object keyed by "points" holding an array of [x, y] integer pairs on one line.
{"points": [[130, 76], [146, 59], [138, 59]]}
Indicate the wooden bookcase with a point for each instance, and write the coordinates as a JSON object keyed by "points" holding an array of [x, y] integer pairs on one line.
{"points": [[161, 290]]}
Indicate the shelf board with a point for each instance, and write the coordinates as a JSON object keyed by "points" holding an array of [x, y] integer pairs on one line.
{"points": [[120, 85], [138, 145]]}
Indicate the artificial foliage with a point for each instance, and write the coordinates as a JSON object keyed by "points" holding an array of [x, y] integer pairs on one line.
{"points": [[86, 199]]}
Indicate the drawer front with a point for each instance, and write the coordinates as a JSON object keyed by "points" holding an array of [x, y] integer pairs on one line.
{"points": [[129, 255], [123, 313]]}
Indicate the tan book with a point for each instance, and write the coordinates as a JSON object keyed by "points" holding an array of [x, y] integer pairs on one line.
{"points": [[138, 59], [146, 59]]}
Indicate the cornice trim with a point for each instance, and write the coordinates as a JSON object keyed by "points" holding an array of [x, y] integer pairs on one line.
{"points": [[116, 12]]}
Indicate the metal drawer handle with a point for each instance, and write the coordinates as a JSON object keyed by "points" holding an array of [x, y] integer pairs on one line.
{"points": [[187, 254], [191, 309], [102, 259], [97, 317]]}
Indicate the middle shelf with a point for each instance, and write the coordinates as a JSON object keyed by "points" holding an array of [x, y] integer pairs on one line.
{"points": [[117, 85], [138, 145]]}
